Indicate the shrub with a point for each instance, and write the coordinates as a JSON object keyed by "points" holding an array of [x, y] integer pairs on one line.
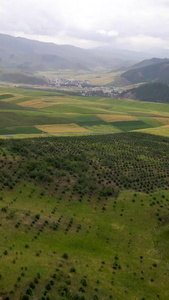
{"points": [[32, 285], [48, 287], [65, 256], [72, 270], [25, 297], [83, 282], [29, 292]]}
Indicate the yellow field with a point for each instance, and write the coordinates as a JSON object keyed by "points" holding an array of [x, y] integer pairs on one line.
{"points": [[165, 121], [116, 118], [71, 114], [47, 102], [60, 128], [93, 78], [102, 79], [20, 136], [162, 130], [38, 103]]}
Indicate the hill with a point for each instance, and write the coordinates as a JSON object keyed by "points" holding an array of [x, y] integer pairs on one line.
{"points": [[21, 77], [152, 92], [149, 62], [29, 55], [149, 71]]}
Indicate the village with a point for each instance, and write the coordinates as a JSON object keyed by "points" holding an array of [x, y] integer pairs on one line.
{"points": [[81, 88]]}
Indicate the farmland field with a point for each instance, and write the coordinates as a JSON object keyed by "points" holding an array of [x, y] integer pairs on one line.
{"points": [[26, 111], [61, 128], [163, 131], [84, 217], [100, 78]]}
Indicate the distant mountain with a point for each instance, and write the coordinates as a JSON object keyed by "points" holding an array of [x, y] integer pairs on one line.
{"points": [[151, 92], [29, 55], [122, 53], [122, 57], [153, 70], [158, 52], [149, 62]]}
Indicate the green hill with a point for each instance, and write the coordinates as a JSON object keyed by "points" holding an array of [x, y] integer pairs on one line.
{"points": [[152, 92], [148, 71], [149, 62]]}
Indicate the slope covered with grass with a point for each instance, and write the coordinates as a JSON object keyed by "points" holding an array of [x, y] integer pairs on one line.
{"points": [[84, 217]]}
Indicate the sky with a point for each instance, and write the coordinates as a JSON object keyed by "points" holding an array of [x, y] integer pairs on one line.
{"points": [[127, 24]]}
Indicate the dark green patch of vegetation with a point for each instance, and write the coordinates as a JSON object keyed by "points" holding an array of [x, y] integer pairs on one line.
{"points": [[20, 130], [13, 106], [15, 119], [115, 158], [130, 125], [152, 92], [6, 96]]}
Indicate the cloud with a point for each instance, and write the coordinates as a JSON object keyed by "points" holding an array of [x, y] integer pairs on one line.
{"points": [[88, 23], [111, 33]]}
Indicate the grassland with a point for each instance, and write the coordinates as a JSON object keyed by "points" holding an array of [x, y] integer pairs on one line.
{"points": [[116, 118], [84, 218], [62, 128], [29, 109], [165, 121]]}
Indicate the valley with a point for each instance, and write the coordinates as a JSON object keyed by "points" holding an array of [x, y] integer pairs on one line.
{"points": [[26, 112]]}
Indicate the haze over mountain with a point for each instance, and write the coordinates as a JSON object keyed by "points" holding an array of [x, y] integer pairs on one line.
{"points": [[29, 55]]}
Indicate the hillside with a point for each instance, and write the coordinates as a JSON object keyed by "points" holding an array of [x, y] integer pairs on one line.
{"points": [[21, 77], [84, 218], [153, 92], [148, 71]]}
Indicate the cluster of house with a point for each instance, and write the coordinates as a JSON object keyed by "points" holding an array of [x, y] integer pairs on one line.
{"points": [[82, 87], [62, 82]]}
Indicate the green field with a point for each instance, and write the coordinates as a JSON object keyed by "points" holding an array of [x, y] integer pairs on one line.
{"points": [[84, 217], [28, 109]]}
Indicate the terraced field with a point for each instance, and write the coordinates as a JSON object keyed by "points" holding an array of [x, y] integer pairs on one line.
{"points": [[27, 112]]}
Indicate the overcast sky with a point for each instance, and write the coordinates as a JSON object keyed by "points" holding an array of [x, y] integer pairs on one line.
{"points": [[129, 24]]}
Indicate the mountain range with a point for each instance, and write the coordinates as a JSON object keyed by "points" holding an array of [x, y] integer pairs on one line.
{"points": [[30, 55]]}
